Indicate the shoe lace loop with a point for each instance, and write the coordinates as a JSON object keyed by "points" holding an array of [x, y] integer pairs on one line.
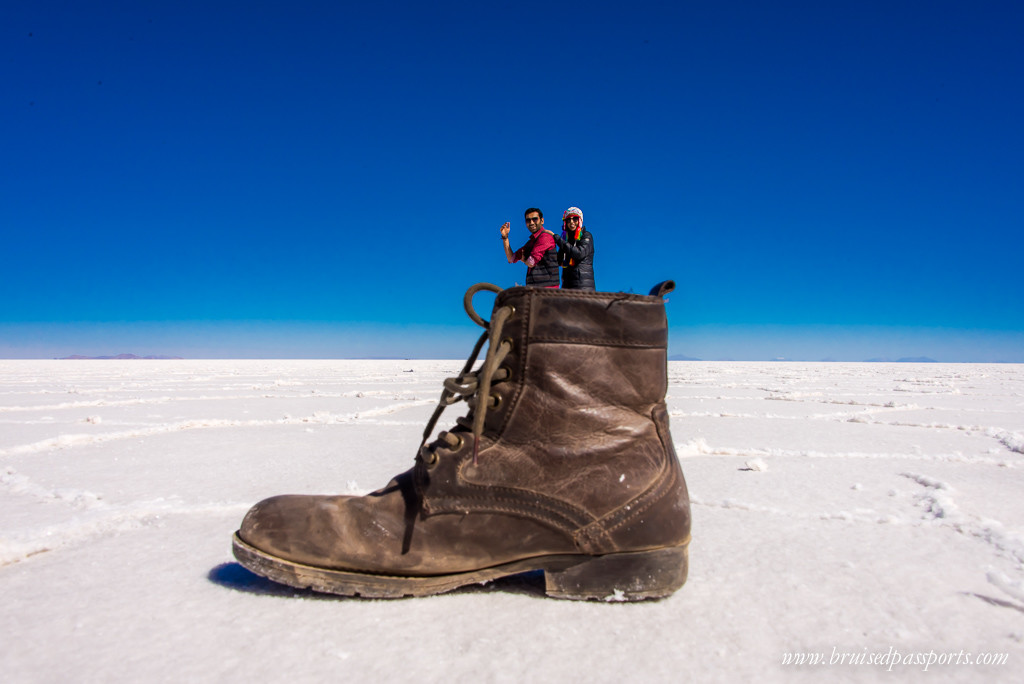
{"points": [[473, 387]]}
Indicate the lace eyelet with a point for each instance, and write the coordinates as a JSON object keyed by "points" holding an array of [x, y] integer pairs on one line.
{"points": [[458, 445], [495, 400], [509, 341]]}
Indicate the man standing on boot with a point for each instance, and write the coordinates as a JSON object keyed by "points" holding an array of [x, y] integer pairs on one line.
{"points": [[538, 253], [575, 252]]}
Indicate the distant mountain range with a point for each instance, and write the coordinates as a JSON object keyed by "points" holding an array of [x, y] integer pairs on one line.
{"points": [[119, 357], [906, 359], [674, 357]]}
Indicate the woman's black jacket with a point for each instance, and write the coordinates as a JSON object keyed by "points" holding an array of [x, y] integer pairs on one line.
{"points": [[579, 275]]}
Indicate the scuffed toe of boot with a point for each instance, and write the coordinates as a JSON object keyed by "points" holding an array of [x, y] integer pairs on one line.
{"points": [[301, 541], [278, 526], [355, 533]]}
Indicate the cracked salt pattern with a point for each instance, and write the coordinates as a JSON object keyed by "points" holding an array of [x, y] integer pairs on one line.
{"points": [[850, 505]]}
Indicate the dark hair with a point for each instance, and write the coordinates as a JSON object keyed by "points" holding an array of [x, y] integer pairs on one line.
{"points": [[531, 210]]}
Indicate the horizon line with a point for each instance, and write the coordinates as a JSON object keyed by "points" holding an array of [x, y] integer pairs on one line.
{"points": [[676, 358]]}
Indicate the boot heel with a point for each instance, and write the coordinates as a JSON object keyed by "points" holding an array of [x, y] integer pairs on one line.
{"points": [[621, 576]]}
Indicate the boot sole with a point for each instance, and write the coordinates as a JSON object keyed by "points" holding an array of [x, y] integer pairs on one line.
{"points": [[632, 576]]}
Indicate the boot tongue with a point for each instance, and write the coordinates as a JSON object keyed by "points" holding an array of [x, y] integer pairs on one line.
{"points": [[496, 353], [472, 386]]}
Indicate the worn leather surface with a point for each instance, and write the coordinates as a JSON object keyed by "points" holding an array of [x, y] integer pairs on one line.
{"points": [[575, 458]]}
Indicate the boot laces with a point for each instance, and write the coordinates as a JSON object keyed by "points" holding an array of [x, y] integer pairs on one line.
{"points": [[473, 387]]}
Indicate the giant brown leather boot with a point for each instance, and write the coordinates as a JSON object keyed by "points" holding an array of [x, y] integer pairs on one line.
{"points": [[564, 464]]}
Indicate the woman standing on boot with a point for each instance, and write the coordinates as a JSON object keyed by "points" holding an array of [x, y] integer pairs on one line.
{"points": [[575, 252]]}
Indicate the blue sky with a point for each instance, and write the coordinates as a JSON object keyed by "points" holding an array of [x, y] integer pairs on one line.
{"points": [[325, 179]]}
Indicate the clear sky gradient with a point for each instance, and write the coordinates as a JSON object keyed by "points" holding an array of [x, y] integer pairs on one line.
{"points": [[838, 180]]}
